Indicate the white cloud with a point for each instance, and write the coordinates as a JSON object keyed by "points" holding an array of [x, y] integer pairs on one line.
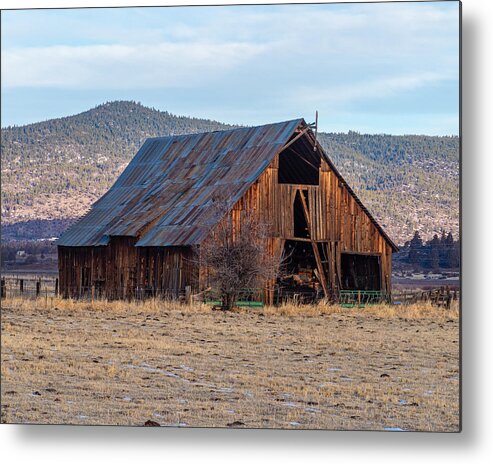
{"points": [[123, 66], [367, 89], [243, 64], [159, 48]]}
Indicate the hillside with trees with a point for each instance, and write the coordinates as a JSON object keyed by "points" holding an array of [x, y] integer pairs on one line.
{"points": [[408, 182], [54, 170]]}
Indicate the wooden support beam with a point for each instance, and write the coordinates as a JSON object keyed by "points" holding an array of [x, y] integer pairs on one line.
{"points": [[316, 253], [320, 267], [303, 132]]}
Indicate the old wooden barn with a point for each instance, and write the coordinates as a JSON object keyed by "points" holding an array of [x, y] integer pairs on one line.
{"points": [[139, 236]]}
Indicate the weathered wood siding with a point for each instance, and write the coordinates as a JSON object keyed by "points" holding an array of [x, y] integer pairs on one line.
{"points": [[122, 271], [336, 219]]}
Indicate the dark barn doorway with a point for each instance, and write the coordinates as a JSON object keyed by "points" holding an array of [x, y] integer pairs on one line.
{"points": [[360, 272], [299, 275], [300, 226]]}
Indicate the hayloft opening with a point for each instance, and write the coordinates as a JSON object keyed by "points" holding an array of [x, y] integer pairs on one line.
{"points": [[360, 272], [299, 164]]}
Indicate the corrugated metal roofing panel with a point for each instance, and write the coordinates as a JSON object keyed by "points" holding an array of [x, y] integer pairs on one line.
{"points": [[165, 193]]}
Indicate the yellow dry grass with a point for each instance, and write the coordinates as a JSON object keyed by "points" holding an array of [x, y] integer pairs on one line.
{"points": [[310, 367]]}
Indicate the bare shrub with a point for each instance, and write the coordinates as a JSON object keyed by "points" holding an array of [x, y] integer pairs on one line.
{"points": [[237, 256]]}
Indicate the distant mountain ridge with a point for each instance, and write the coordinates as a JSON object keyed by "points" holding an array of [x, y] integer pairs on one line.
{"points": [[52, 171]]}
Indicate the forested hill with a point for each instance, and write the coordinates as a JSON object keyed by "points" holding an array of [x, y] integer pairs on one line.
{"points": [[52, 171], [408, 182]]}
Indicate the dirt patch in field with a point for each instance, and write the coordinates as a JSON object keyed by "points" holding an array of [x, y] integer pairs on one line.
{"points": [[324, 368]]}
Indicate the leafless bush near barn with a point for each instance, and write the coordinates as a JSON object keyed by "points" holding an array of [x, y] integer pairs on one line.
{"points": [[238, 257]]}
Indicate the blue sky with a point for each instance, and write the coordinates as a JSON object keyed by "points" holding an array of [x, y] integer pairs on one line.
{"points": [[375, 68]]}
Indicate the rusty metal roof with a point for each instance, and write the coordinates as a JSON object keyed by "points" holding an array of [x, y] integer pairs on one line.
{"points": [[164, 195]]}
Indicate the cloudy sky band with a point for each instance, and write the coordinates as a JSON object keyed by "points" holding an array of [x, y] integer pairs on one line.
{"points": [[247, 65]]}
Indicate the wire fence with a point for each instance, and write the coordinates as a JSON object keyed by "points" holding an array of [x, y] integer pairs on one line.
{"points": [[441, 297], [350, 298], [30, 287], [47, 287]]}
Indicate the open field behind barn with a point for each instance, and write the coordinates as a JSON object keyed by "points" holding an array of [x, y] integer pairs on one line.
{"points": [[319, 367]]}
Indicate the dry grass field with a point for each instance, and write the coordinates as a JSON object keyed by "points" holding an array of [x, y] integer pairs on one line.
{"points": [[320, 367]]}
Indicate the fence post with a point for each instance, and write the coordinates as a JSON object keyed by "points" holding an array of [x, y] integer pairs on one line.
{"points": [[21, 286], [188, 295], [3, 290], [38, 288], [56, 287], [46, 296], [92, 294]]}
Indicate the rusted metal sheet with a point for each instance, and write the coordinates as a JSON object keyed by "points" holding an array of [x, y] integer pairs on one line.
{"points": [[172, 181]]}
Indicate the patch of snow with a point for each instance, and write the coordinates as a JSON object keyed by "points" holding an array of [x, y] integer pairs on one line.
{"points": [[393, 429], [225, 390], [322, 385]]}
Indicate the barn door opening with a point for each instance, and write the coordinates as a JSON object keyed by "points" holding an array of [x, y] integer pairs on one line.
{"points": [[300, 275], [360, 272], [301, 229]]}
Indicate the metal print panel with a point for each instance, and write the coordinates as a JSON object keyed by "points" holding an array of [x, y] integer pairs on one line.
{"points": [[232, 216]]}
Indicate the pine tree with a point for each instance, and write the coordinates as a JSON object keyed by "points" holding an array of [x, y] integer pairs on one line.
{"points": [[415, 248], [434, 253], [442, 250]]}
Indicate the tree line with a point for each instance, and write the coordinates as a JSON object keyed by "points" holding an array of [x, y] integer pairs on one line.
{"points": [[31, 248], [438, 253]]}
